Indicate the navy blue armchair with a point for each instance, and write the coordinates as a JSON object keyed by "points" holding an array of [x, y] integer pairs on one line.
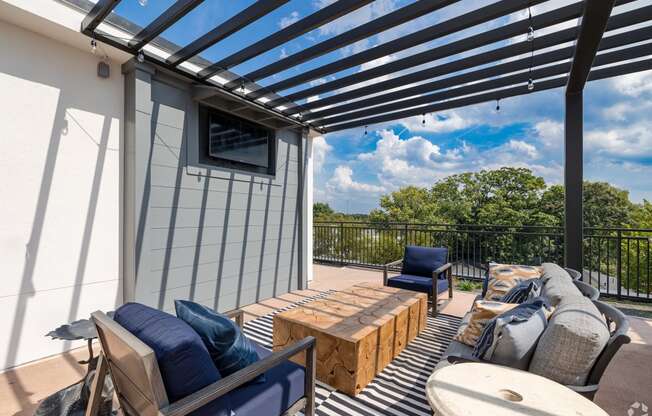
{"points": [[424, 269], [159, 366]]}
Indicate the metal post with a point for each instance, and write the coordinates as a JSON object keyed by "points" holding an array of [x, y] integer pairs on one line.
{"points": [[619, 263], [573, 178], [341, 243]]}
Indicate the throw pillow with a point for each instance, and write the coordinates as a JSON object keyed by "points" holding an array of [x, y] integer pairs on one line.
{"points": [[511, 338], [482, 312], [503, 277], [524, 291], [229, 348]]}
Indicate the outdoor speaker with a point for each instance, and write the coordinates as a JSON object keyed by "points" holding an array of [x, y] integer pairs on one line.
{"points": [[103, 70]]}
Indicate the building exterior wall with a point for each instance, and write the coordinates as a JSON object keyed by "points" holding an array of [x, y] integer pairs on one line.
{"points": [[60, 141], [221, 237]]}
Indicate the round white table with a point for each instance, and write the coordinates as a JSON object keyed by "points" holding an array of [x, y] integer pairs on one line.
{"points": [[470, 389]]}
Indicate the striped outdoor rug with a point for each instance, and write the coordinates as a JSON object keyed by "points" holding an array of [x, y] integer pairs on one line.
{"points": [[398, 389]]}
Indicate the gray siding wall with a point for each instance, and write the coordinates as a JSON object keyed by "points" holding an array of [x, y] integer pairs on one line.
{"points": [[219, 237]]}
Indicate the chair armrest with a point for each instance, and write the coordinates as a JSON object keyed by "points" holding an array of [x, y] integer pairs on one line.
{"points": [[237, 314], [386, 269], [442, 269], [214, 391]]}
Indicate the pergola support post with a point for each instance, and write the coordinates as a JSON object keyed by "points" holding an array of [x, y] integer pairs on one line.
{"points": [[573, 180]]}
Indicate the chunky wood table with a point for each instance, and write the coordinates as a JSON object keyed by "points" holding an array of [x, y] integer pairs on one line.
{"points": [[359, 331], [471, 389]]}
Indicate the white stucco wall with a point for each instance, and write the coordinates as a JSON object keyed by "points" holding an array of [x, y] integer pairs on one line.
{"points": [[60, 137]]}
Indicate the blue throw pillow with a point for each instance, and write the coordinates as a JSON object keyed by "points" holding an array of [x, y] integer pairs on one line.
{"points": [[229, 348], [184, 362]]}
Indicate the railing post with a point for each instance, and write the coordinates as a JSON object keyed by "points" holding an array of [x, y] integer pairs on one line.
{"points": [[342, 243], [619, 263], [405, 235]]}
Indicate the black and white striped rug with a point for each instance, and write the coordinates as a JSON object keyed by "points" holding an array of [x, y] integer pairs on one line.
{"points": [[399, 389]]}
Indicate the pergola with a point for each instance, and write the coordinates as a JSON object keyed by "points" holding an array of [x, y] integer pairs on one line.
{"points": [[603, 45]]}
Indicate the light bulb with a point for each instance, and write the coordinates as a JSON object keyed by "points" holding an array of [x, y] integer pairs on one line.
{"points": [[497, 105], [424, 120], [140, 57], [365, 130], [530, 84], [142, 2], [93, 46], [530, 34]]}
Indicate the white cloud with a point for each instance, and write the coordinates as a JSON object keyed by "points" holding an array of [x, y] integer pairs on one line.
{"points": [[632, 141], [320, 151], [550, 133], [634, 85], [436, 123], [342, 181], [288, 20], [356, 18]]}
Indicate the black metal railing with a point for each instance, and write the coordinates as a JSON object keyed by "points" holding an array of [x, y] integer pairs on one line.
{"points": [[616, 260]]}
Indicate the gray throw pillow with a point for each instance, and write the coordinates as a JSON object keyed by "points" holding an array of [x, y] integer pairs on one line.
{"points": [[558, 284], [576, 335], [512, 337]]}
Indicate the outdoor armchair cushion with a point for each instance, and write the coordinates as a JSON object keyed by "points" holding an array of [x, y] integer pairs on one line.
{"points": [[575, 336], [422, 261], [229, 348], [283, 387], [417, 283], [183, 360]]}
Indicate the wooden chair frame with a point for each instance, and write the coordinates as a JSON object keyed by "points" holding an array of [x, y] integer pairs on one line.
{"points": [[446, 268], [139, 386]]}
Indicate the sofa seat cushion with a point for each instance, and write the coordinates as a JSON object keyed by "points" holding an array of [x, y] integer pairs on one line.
{"points": [[557, 284], [576, 335], [417, 283], [511, 338], [183, 360], [229, 348], [503, 277], [481, 314], [422, 261], [284, 385]]}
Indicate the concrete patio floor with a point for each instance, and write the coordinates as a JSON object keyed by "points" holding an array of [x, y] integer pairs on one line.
{"points": [[627, 380]]}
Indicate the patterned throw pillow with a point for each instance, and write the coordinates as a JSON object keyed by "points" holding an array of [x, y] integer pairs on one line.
{"points": [[482, 312], [503, 277], [523, 292]]}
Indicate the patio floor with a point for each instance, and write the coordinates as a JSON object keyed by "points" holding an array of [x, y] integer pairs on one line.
{"points": [[627, 380]]}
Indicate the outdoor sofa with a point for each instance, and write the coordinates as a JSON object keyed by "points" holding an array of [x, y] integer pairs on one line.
{"points": [[171, 374], [560, 351]]}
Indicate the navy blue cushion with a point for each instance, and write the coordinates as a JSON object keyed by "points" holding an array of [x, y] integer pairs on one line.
{"points": [[183, 360], [229, 348], [284, 386], [416, 283], [422, 261]]}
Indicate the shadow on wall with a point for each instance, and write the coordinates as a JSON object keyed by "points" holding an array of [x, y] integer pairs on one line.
{"points": [[227, 238], [57, 163]]}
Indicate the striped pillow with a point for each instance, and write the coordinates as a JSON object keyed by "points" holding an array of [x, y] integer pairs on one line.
{"points": [[482, 312], [503, 277]]}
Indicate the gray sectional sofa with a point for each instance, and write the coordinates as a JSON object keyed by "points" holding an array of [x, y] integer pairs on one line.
{"points": [[577, 342]]}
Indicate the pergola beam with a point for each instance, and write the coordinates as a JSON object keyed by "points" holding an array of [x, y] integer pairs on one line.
{"points": [[98, 13], [594, 23], [388, 21], [481, 87], [319, 18], [444, 28], [602, 73], [169, 17], [226, 29], [546, 41]]}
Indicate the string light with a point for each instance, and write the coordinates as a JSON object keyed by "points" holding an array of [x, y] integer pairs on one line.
{"points": [[530, 38], [93, 47], [498, 105], [242, 87], [365, 130], [424, 119], [141, 56]]}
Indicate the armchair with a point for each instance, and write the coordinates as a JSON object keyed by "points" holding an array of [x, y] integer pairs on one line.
{"points": [[140, 388], [423, 269]]}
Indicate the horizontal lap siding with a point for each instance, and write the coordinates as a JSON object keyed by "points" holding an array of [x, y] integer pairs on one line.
{"points": [[225, 239]]}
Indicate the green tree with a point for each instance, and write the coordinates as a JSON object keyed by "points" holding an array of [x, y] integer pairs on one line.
{"points": [[409, 204], [321, 209]]}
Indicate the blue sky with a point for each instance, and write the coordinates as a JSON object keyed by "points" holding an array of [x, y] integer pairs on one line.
{"points": [[353, 169]]}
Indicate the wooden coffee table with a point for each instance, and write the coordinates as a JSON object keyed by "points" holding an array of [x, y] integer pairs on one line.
{"points": [[359, 331]]}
